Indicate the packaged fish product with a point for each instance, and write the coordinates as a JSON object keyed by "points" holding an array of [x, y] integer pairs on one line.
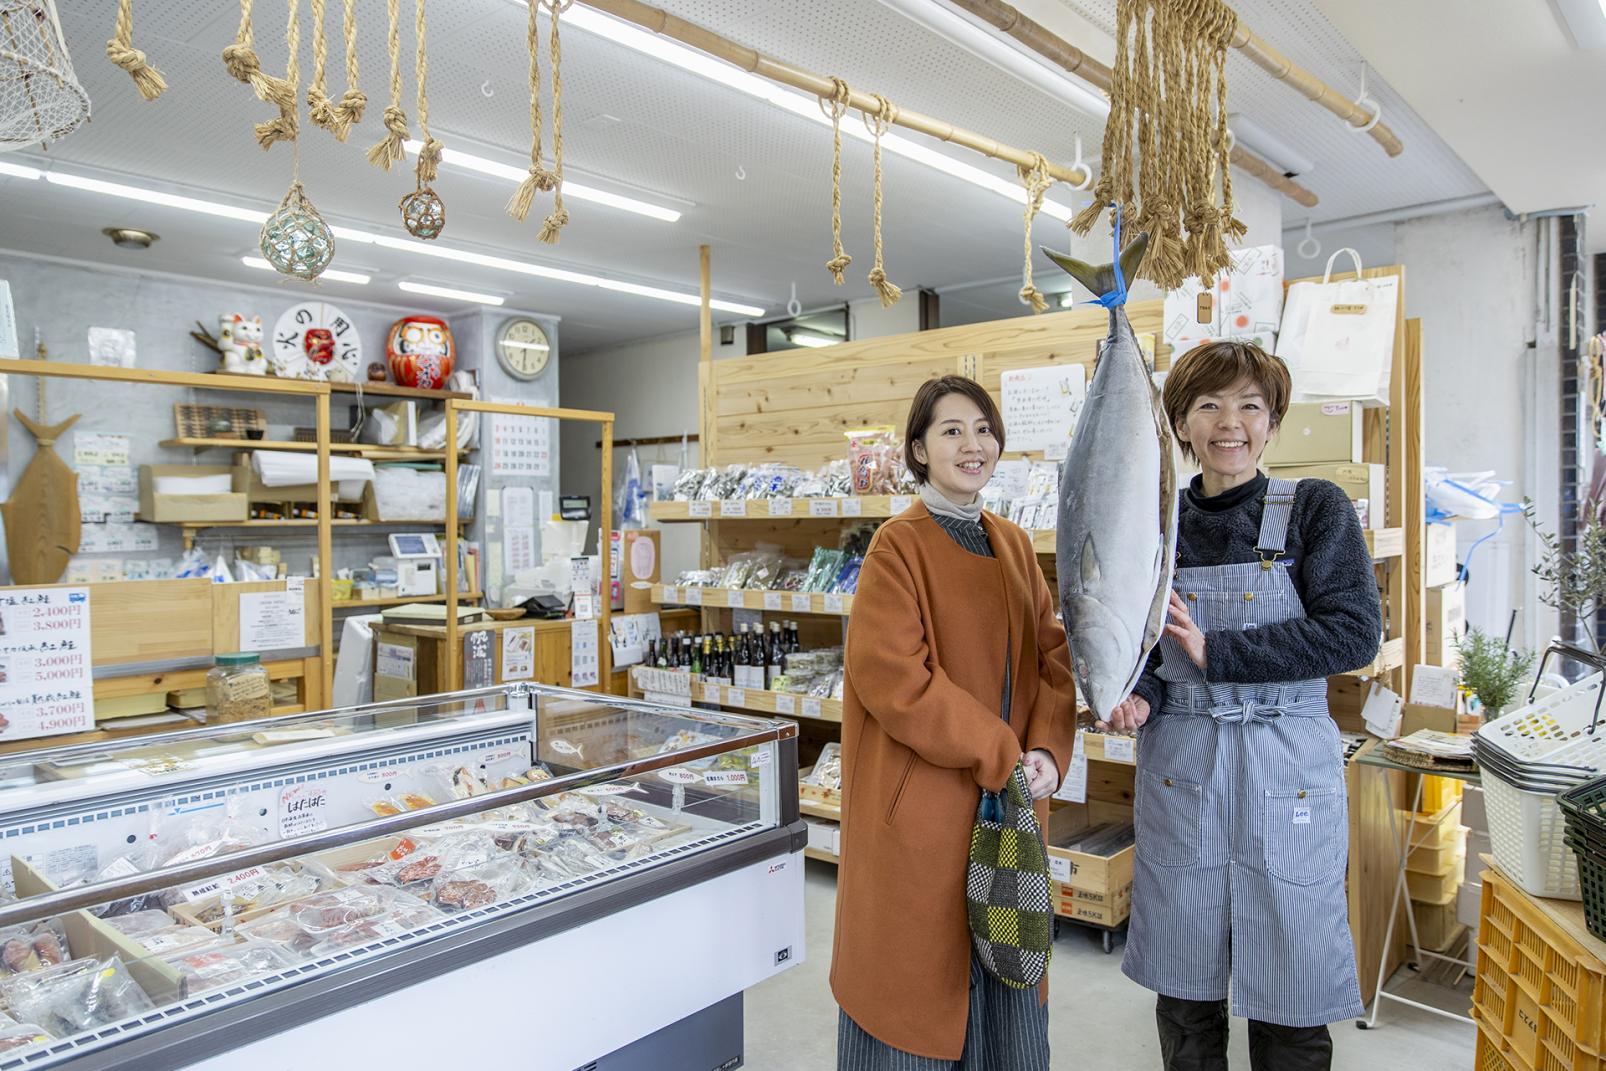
{"points": [[174, 939], [75, 996], [33, 947], [279, 929], [326, 912], [230, 965], [491, 882], [16, 1038], [140, 923], [407, 913]]}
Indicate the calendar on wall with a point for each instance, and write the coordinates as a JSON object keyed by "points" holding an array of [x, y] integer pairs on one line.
{"points": [[520, 446]]}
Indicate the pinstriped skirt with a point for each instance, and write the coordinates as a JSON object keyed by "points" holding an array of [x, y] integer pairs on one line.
{"points": [[1007, 1031]]}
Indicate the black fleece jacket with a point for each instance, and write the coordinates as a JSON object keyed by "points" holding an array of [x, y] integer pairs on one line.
{"points": [[1331, 570]]}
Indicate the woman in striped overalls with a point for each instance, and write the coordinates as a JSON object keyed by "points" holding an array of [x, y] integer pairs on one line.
{"points": [[1241, 815]]}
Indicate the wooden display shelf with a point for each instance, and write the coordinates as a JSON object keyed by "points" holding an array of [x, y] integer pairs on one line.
{"points": [[1096, 745], [392, 390], [312, 522], [366, 450], [759, 701], [787, 602], [352, 604], [825, 507], [1385, 543], [817, 809]]}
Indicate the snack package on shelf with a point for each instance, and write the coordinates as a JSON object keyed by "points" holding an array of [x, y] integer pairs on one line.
{"points": [[758, 569], [875, 460], [823, 568], [827, 771], [76, 996], [835, 480], [34, 947]]}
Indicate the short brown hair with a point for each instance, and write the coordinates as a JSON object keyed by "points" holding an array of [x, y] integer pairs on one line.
{"points": [[1215, 366], [924, 409]]}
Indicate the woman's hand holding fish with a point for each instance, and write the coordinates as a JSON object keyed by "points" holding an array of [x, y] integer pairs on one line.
{"points": [[1126, 718], [1185, 632]]}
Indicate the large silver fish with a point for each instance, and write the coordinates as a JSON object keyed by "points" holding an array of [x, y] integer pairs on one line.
{"points": [[1117, 537]]}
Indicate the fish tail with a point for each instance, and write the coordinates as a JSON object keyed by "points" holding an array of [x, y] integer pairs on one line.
{"points": [[46, 434], [1099, 279]]}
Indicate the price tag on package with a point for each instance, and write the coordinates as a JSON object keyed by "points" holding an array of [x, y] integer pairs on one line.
{"points": [[725, 778], [772, 600], [735, 599], [802, 604], [733, 507], [852, 507], [822, 507], [1059, 868], [780, 507], [678, 776], [699, 510]]}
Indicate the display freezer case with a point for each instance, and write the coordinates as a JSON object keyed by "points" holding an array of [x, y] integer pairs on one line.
{"points": [[523, 874]]}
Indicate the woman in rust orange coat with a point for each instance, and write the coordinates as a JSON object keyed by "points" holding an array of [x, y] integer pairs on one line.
{"points": [[956, 671]]}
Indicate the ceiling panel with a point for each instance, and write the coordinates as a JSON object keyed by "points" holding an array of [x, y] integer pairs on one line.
{"points": [[752, 180]]}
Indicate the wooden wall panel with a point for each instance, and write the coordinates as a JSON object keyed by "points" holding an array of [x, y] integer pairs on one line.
{"points": [[793, 407]]}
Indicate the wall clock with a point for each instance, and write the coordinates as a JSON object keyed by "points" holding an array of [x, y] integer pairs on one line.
{"points": [[315, 340], [523, 348]]}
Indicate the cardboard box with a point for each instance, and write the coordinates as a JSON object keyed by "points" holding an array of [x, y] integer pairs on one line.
{"points": [[1362, 483], [169, 509], [1098, 909], [1319, 433], [1439, 556], [1099, 874], [395, 666], [1446, 623], [1418, 716], [638, 568]]}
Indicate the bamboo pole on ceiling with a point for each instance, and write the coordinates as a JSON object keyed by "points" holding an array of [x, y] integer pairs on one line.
{"points": [[751, 60], [1005, 18], [1280, 67]]}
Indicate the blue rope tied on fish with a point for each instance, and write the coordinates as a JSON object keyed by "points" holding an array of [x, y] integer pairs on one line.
{"points": [[1117, 297]]}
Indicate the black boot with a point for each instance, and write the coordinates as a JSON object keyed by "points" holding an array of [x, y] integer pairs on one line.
{"points": [[1193, 1034], [1289, 1048]]}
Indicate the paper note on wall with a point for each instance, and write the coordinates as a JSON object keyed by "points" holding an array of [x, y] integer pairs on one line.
{"points": [[99, 448], [583, 656], [45, 680], [272, 621], [1041, 405]]}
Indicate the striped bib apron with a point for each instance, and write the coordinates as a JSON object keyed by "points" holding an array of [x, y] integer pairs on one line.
{"points": [[1242, 819]]}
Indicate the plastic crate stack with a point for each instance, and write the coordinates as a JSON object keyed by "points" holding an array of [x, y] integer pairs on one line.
{"points": [[1584, 808], [1528, 758], [1540, 998]]}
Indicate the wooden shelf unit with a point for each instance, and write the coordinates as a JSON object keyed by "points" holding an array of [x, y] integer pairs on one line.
{"points": [[779, 602], [359, 604], [366, 450]]}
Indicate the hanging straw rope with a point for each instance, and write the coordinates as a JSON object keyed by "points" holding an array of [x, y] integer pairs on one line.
{"points": [[335, 118], [836, 107], [243, 63], [429, 154], [888, 293], [558, 218], [1168, 98], [1037, 181], [121, 51], [389, 151], [539, 179]]}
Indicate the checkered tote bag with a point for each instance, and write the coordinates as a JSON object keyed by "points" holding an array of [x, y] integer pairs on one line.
{"points": [[1007, 891]]}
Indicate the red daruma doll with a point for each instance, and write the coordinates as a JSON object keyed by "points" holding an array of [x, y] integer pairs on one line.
{"points": [[420, 352]]}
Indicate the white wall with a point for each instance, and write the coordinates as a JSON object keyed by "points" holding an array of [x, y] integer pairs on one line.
{"points": [[1490, 393]]}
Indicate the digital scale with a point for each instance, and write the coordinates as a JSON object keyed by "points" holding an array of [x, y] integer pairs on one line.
{"points": [[418, 563]]}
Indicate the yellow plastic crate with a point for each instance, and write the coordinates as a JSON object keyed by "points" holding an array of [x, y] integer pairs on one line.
{"points": [[1540, 993], [1439, 793]]}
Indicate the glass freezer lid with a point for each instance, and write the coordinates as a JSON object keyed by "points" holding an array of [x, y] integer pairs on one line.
{"points": [[614, 787]]}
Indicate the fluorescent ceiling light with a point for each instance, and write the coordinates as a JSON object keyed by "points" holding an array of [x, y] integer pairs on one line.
{"points": [[799, 104], [804, 336], [579, 191], [406, 245], [1269, 147], [448, 292], [334, 274], [19, 171]]}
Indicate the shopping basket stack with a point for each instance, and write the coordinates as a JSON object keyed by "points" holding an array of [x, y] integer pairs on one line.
{"points": [[1529, 757], [1584, 808]]}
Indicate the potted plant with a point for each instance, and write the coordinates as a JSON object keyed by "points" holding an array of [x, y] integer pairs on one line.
{"points": [[1492, 671], [1573, 580]]}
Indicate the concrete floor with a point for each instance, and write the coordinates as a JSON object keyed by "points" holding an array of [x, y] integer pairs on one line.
{"points": [[1097, 1018]]}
